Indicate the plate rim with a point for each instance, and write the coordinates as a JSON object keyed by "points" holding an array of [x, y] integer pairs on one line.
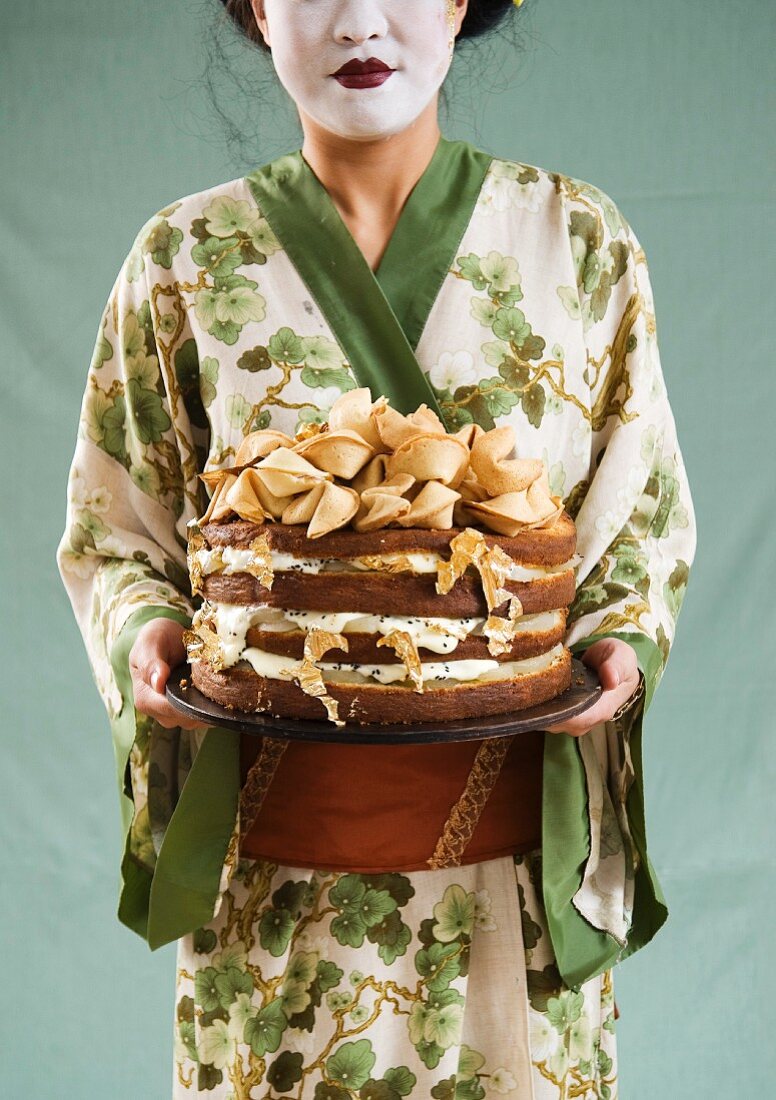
{"points": [[584, 694]]}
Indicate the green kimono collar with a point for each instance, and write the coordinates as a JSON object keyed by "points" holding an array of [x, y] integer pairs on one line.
{"points": [[377, 317]]}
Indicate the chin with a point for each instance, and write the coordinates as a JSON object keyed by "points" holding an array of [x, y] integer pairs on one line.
{"points": [[367, 125]]}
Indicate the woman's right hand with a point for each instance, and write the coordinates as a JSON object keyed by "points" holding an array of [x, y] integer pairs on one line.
{"points": [[157, 650]]}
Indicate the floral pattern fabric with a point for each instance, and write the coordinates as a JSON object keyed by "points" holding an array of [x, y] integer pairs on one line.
{"points": [[331, 986], [545, 321]]}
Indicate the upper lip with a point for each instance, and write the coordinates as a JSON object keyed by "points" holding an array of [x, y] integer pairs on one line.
{"points": [[371, 65]]}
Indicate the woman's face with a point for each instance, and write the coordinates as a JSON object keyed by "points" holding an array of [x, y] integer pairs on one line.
{"points": [[311, 39]]}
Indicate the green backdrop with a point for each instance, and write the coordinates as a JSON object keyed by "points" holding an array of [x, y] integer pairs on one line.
{"points": [[667, 107]]}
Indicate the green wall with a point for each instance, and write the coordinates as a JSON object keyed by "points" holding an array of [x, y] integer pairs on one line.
{"points": [[668, 108]]}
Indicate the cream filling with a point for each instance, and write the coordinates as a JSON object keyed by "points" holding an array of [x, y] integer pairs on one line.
{"points": [[275, 667], [237, 561], [440, 635]]}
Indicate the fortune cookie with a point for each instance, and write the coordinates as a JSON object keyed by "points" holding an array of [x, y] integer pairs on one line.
{"points": [[430, 458], [489, 462], [431, 508], [285, 473], [336, 507], [469, 433], [259, 444], [243, 497], [218, 509], [301, 508], [395, 429], [371, 475], [342, 452], [383, 504], [355, 412], [510, 512]]}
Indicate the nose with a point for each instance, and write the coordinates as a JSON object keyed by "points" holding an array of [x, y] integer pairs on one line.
{"points": [[359, 21]]}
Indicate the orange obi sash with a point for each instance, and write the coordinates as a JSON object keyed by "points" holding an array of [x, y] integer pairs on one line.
{"points": [[370, 808]]}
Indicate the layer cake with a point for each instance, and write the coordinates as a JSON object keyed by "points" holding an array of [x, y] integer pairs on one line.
{"points": [[381, 570]]}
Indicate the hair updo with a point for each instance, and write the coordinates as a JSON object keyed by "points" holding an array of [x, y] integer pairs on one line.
{"points": [[481, 16]]}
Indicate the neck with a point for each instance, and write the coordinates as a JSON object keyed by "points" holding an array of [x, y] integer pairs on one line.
{"points": [[373, 177]]}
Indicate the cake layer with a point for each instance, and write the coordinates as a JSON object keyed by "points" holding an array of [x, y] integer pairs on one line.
{"points": [[241, 688], [364, 648], [383, 593], [532, 546], [236, 559]]}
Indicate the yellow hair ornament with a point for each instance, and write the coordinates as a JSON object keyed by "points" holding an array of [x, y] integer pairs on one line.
{"points": [[517, 3]]}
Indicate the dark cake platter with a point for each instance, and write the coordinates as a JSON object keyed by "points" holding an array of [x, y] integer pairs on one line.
{"points": [[583, 692]]}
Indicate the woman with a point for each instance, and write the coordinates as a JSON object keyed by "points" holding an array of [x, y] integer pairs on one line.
{"points": [[381, 254]]}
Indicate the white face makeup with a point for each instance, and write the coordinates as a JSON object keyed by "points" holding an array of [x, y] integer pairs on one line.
{"points": [[312, 39]]}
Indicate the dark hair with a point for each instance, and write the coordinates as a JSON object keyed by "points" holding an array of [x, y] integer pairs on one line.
{"points": [[481, 17]]}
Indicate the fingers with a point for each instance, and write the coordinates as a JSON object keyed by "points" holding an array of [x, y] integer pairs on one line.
{"points": [[157, 650], [617, 668]]}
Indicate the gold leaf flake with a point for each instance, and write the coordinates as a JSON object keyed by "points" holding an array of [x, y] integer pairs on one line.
{"points": [[493, 566], [466, 549], [261, 566], [398, 563], [309, 676], [196, 544], [203, 644], [403, 645], [500, 631]]}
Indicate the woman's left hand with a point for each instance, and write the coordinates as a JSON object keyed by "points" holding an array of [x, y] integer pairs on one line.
{"points": [[617, 668]]}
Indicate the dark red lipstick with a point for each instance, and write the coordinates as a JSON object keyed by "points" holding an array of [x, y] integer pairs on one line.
{"points": [[363, 74]]}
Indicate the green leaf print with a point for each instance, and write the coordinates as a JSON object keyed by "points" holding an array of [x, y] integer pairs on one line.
{"points": [[511, 326], [329, 974], [444, 1089], [401, 1079], [208, 1077], [392, 935], [275, 929], [319, 378], [531, 930], [469, 267], [377, 1090], [471, 1089], [543, 985], [230, 983], [351, 1064], [163, 242], [324, 1091], [438, 964], [112, 424], [264, 1031], [285, 346], [532, 403], [285, 1072], [255, 360], [563, 1010], [224, 308], [454, 914], [675, 587], [398, 886], [190, 381], [226, 216], [292, 896], [320, 353], [146, 409], [220, 258], [206, 990]]}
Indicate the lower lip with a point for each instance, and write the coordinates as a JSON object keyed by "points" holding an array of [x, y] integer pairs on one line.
{"points": [[364, 80]]}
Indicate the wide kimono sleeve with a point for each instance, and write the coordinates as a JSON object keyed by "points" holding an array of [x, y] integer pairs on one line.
{"points": [[132, 488], [636, 539]]}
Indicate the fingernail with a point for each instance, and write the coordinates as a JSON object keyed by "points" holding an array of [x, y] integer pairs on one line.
{"points": [[156, 678]]}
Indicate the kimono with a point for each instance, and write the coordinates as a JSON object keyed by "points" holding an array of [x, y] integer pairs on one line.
{"points": [[508, 294]]}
